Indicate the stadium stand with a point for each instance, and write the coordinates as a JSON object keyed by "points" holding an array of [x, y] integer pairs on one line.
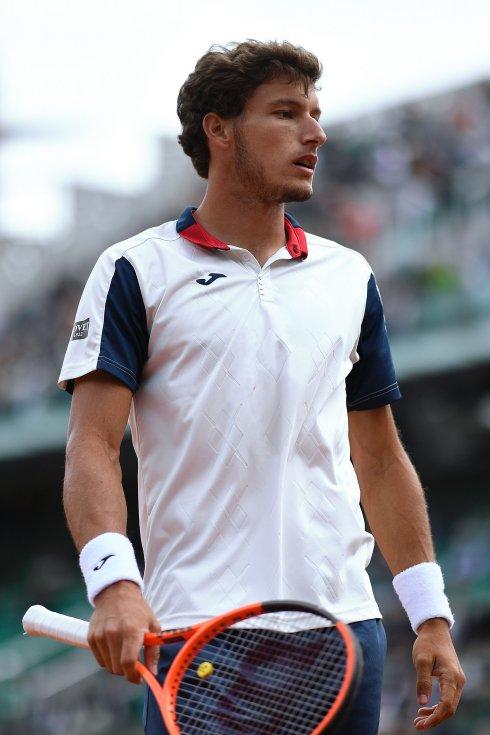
{"points": [[408, 187]]}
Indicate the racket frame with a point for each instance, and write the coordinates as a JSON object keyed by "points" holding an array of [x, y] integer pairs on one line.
{"points": [[208, 630], [38, 621]]}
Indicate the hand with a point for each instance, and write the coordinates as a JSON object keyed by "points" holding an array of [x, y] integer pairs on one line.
{"points": [[434, 655], [117, 628]]}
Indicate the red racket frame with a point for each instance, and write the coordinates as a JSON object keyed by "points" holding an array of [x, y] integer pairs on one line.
{"points": [[198, 636]]}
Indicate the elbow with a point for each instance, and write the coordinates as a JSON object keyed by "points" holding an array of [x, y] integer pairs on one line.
{"points": [[84, 448]]}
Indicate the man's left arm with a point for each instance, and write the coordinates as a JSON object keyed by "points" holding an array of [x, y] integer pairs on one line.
{"points": [[394, 503]]}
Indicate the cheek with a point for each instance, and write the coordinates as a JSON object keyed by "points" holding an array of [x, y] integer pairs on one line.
{"points": [[278, 154], [271, 148]]}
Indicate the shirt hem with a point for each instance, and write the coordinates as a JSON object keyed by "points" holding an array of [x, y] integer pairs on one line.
{"points": [[394, 394], [66, 378], [76, 371], [354, 615]]}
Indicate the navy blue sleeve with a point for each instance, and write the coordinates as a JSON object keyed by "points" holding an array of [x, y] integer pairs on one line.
{"points": [[124, 343], [372, 380], [124, 338]]}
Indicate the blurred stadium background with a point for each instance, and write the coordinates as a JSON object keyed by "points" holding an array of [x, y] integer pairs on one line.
{"points": [[409, 187]]}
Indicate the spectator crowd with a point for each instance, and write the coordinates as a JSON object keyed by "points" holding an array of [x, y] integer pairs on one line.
{"points": [[409, 187]]}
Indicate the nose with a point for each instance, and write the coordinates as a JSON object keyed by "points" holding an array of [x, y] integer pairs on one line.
{"points": [[321, 134], [324, 137], [316, 133]]}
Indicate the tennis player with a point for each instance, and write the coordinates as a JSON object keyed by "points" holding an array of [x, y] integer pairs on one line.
{"points": [[253, 363]]}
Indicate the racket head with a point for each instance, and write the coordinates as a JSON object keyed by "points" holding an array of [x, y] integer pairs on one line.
{"points": [[271, 667]]}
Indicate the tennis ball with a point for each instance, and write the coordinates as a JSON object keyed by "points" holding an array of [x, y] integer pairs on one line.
{"points": [[205, 669]]}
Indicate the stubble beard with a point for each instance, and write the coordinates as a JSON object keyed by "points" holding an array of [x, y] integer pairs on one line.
{"points": [[253, 178]]}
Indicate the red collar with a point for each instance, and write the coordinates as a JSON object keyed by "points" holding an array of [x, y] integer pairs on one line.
{"points": [[194, 232]]}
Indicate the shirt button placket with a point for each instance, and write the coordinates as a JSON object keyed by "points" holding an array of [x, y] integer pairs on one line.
{"points": [[261, 287]]}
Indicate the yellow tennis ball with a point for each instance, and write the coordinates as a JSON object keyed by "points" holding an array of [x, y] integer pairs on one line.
{"points": [[205, 669]]}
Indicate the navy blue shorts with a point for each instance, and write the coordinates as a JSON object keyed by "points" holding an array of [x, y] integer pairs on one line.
{"points": [[363, 718]]}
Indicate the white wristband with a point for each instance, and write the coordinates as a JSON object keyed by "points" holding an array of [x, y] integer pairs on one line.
{"points": [[106, 559], [421, 592]]}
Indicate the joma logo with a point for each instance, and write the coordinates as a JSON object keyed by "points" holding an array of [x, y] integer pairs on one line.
{"points": [[211, 279]]}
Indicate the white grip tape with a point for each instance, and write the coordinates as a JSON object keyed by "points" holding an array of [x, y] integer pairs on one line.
{"points": [[39, 621]]}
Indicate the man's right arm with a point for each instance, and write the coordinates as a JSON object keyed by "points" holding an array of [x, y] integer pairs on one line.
{"points": [[94, 503]]}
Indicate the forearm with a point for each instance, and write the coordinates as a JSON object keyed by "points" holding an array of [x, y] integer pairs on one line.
{"points": [[93, 496], [94, 503], [394, 503]]}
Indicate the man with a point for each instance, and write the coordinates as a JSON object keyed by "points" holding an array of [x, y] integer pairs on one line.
{"points": [[253, 362]]}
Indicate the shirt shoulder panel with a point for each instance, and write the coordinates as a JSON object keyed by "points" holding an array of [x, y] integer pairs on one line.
{"points": [[111, 330], [372, 381]]}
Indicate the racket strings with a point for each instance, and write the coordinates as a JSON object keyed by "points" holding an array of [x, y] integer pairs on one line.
{"points": [[264, 701], [258, 709], [268, 674], [275, 679], [264, 707]]}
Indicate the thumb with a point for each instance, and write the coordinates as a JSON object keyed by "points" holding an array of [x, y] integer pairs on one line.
{"points": [[424, 681]]}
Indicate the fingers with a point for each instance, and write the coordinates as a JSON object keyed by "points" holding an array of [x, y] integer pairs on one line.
{"points": [[94, 647], [106, 640], [423, 666], [439, 713], [423, 714], [451, 686], [117, 648], [426, 711], [117, 628], [130, 649]]}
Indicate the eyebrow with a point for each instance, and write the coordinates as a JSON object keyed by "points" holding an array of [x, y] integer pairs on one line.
{"points": [[295, 103]]}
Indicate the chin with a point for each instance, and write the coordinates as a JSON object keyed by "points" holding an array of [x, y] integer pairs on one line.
{"points": [[271, 193], [297, 194]]}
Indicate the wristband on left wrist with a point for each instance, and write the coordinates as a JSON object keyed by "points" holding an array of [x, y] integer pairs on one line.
{"points": [[421, 592]]}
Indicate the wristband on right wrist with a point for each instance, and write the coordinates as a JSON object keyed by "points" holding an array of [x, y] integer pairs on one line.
{"points": [[106, 559]]}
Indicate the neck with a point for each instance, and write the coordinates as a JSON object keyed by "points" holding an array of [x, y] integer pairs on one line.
{"points": [[245, 222]]}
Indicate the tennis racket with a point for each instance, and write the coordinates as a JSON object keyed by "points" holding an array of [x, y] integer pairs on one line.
{"points": [[269, 668]]}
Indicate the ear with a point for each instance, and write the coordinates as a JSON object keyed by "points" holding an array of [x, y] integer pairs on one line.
{"points": [[217, 129]]}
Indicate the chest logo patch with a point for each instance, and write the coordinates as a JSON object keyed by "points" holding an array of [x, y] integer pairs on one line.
{"points": [[212, 277]]}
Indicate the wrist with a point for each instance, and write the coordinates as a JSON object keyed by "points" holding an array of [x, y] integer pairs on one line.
{"points": [[434, 624], [122, 588]]}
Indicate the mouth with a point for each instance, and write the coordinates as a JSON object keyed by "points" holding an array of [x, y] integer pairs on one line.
{"points": [[306, 164]]}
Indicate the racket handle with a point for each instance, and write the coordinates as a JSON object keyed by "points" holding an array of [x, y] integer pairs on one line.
{"points": [[39, 621]]}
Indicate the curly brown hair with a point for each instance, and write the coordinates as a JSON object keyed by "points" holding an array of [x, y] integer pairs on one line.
{"points": [[223, 80]]}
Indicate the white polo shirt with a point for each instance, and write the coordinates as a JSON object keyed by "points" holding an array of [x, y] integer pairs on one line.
{"points": [[242, 378]]}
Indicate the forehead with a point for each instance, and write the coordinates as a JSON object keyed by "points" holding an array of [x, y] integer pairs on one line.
{"points": [[279, 89]]}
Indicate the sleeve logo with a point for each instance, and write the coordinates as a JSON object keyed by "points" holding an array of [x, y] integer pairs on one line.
{"points": [[80, 330]]}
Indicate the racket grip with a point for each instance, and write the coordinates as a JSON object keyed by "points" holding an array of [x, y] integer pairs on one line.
{"points": [[39, 621]]}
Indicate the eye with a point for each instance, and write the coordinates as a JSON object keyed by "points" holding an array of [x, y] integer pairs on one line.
{"points": [[284, 113]]}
